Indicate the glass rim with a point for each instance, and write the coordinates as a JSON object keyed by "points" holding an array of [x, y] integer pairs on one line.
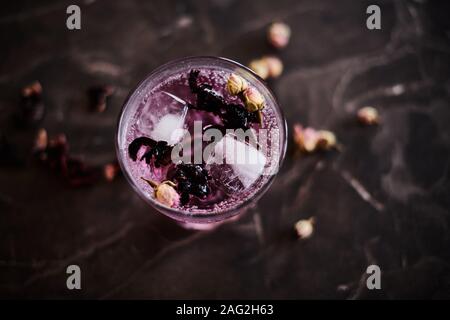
{"points": [[183, 215]]}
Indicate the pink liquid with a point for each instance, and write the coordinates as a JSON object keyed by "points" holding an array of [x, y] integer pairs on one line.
{"points": [[227, 189]]}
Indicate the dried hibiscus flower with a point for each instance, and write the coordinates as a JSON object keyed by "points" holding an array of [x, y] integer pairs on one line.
{"points": [[78, 174], [233, 116], [159, 151], [191, 179], [54, 153]]}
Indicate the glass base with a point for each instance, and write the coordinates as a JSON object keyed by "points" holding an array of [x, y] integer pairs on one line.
{"points": [[207, 226]]}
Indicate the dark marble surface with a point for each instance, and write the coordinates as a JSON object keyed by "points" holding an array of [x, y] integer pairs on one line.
{"points": [[384, 199]]}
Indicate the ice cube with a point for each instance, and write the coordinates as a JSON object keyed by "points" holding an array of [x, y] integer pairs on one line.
{"points": [[225, 178], [163, 118], [168, 128], [246, 162]]}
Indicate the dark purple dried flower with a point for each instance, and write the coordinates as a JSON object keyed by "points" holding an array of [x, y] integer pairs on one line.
{"points": [[159, 151], [192, 179], [234, 116], [78, 174], [98, 97], [55, 155], [136, 145]]}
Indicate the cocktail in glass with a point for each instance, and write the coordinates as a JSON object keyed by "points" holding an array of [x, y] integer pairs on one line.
{"points": [[216, 147]]}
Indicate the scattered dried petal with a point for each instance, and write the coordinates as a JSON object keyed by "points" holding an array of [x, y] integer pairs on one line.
{"points": [[41, 141], [236, 84], [34, 88], [305, 228], [98, 97], [111, 171], [32, 108], [57, 151], [55, 155], [78, 174], [368, 116], [254, 100], [279, 34]]}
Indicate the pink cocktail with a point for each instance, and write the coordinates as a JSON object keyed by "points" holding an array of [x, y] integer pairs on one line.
{"points": [[215, 148]]}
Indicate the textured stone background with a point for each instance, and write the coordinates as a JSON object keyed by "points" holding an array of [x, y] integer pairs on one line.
{"points": [[334, 65]]}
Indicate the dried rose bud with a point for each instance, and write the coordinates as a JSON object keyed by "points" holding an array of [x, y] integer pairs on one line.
{"points": [[327, 140], [236, 84], [279, 34], [368, 116], [274, 65], [260, 67], [254, 101], [306, 138], [165, 192], [310, 140], [41, 141], [98, 97], [305, 228], [110, 171]]}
